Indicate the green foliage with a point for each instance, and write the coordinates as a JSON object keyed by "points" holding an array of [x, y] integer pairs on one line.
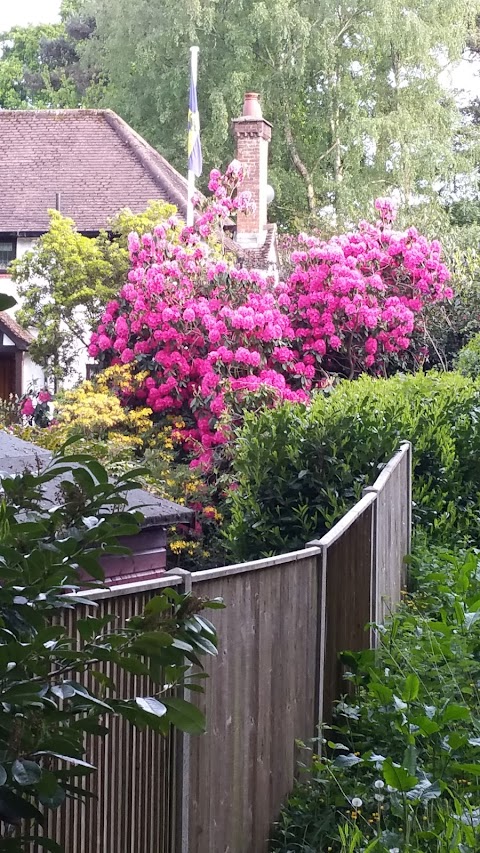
{"points": [[379, 116], [468, 361], [45, 708], [39, 67], [298, 469], [450, 325], [66, 279], [400, 767]]}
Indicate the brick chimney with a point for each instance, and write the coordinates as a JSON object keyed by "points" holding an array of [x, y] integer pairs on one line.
{"points": [[252, 135]]}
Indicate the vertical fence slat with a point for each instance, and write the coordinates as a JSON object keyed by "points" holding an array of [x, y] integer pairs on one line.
{"points": [[136, 780], [347, 565]]}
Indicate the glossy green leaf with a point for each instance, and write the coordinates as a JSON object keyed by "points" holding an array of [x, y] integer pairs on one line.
{"points": [[186, 716], [398, 777], [151, 705]]}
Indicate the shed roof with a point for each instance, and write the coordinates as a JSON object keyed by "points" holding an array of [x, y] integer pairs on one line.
{"points": [[17, 455]]}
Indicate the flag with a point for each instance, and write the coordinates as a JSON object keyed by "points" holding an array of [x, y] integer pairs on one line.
{"points": [[194, 146]]}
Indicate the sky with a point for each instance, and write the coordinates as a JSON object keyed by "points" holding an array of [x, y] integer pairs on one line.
{"points": [[21, 12]]}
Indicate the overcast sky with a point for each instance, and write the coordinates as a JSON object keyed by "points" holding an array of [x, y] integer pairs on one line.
{"points": [[23, 12]]}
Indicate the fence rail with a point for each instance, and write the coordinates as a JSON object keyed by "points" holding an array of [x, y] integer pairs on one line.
{"points": [[276, 675]]}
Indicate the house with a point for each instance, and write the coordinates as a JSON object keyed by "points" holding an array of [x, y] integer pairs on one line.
{"points": [[90, 164]]}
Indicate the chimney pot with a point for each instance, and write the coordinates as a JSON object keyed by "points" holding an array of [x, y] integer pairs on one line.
{"points": [[251, 106]]}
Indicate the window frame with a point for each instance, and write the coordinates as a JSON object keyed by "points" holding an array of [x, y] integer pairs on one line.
{"points": [[8, 238]]}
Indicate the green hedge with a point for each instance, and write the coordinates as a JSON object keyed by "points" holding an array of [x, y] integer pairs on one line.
{"points": [[299, 468], [468, 360]]}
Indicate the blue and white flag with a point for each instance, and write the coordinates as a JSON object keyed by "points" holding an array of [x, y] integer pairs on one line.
{"points": [[194, 145]]}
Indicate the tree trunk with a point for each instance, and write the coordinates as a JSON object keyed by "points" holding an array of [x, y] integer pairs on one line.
{"points": [[300, 166]]}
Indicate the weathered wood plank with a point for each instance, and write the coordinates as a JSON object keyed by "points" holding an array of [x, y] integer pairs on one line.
{"points": [[261, 697], [393, 531]]}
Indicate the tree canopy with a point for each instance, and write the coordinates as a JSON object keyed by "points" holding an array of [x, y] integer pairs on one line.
{"points": [[39, 65], [354, 89]]}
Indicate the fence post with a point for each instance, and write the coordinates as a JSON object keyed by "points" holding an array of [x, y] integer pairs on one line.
{"points": [[409, 445], [321, 635], [374, 568], [182, 757]]}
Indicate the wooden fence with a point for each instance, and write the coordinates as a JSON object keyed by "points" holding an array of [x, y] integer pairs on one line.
{"points": [[276, 675]]}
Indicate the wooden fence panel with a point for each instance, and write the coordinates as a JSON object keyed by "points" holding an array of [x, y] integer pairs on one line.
{"points": [[134, 810], [277, 674], [347, 560], [261, 696], [393, 531]]}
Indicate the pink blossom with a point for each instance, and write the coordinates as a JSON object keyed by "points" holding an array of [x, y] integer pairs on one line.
{"points": [[104, 342], [27, 408], [127, 356]]}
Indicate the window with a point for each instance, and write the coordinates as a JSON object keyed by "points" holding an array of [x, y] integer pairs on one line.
{"points": [[8, 251], [92, 370]]}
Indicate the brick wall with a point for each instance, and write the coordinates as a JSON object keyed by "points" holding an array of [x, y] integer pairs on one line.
{"points": [[252, 137]]}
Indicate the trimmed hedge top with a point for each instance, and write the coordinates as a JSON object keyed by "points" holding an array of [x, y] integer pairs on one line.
{"points": [[299, 468]]}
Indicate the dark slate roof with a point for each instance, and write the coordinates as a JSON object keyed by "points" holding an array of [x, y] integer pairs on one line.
{"points": [[17, 455], [20, 336], [95, 160]]}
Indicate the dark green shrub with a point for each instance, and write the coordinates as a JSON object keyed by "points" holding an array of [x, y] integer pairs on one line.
{"points": [[450, 325], [298, 469], [468, 361], [46, 710]]}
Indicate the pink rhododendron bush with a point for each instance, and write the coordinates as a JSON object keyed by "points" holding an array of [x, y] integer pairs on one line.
{"points": [[206, 338]]}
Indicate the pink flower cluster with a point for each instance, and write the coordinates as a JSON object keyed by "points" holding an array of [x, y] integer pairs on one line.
{"points": [[209, 335], [358, 299], [32, 402]]}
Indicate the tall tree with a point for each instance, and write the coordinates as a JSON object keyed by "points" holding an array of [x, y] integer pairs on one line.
{"points": [[353, 87], [39, 65]]}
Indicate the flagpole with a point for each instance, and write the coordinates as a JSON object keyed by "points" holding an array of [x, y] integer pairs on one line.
{"points": [[191, 176]]}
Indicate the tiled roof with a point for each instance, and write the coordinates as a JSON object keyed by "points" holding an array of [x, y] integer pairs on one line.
{"points": [[96, 162], [13, 330]]}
